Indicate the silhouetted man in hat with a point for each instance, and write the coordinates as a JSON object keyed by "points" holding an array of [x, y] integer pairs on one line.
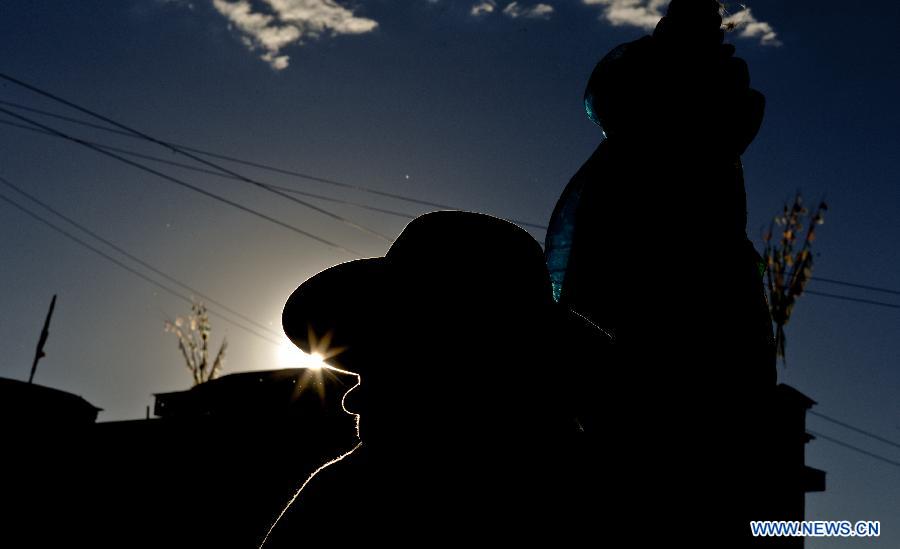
{"points": [[468, 425]]}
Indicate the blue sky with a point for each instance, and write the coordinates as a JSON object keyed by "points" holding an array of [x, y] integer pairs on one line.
{"points": [[470, 103]]}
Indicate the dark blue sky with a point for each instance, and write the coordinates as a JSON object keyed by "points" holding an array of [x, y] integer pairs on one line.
{"points": [[428, 100]]}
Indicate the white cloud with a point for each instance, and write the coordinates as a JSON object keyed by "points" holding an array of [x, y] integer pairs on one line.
{"points": [[289, 22], [269, 26], [645, 14], [512, 10], [483, 8], [315, 17], [749, 27], [277, 62], [537, 11]]}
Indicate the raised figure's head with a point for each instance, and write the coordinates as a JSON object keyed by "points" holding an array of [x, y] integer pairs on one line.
{"points": [[679, 87]]}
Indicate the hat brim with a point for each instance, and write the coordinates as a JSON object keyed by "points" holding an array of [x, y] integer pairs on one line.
{"points": [[339, 305], [358, 301], [443, 267]]}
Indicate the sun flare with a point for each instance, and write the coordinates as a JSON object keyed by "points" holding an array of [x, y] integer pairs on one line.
{"points": [[289, 356]]}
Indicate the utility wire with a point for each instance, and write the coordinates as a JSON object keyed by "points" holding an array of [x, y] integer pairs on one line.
{"points": [[855, 285], [177, 150], [198, 169], [122, 265], [78, 121], [127, 152], [223, 172], [109, 148], [855, 448], [182, 183], [268, 167], [359, 188], [134, 258], [855, 429], [855, 299], [114, 153]]}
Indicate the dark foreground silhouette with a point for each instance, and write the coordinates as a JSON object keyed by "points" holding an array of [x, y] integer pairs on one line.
{"points": [[469, 422], [649, 240]]}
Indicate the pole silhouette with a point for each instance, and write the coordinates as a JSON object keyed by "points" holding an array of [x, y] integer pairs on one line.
{"points": [[45, 332]]}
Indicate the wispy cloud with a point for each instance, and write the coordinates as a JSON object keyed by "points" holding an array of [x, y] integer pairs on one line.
{"points": [[286, 22], [483, 8], [267, 27], [513, 10], [537, 11], [645, 14], [749, 26]]}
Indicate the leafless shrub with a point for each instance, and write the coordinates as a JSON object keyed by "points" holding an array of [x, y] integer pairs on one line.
{"points": [[193, 335]]}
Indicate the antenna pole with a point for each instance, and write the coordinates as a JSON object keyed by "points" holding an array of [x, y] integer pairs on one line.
{"points": [[39, 352]]}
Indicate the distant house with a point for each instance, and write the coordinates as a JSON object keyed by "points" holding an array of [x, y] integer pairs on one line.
{"points": [[29, 405], [213, 469]]}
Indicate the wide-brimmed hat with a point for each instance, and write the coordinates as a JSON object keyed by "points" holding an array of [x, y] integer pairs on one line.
{"points": [[454, 265]]}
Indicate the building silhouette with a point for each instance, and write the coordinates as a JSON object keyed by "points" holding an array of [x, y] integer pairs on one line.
{"points": [[213, 468], [218, 462]]}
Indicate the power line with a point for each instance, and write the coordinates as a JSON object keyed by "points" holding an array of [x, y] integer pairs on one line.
{"points": [[336, 200], [269, 167], [855, 285], [122, 265], [183, 183], [177, 150], [855, 429], [855, 299], [128, 152], [57, 116], [198, 169], [334, 182], [855, 448], [224, 172], [404, 215], [132, 257]]}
